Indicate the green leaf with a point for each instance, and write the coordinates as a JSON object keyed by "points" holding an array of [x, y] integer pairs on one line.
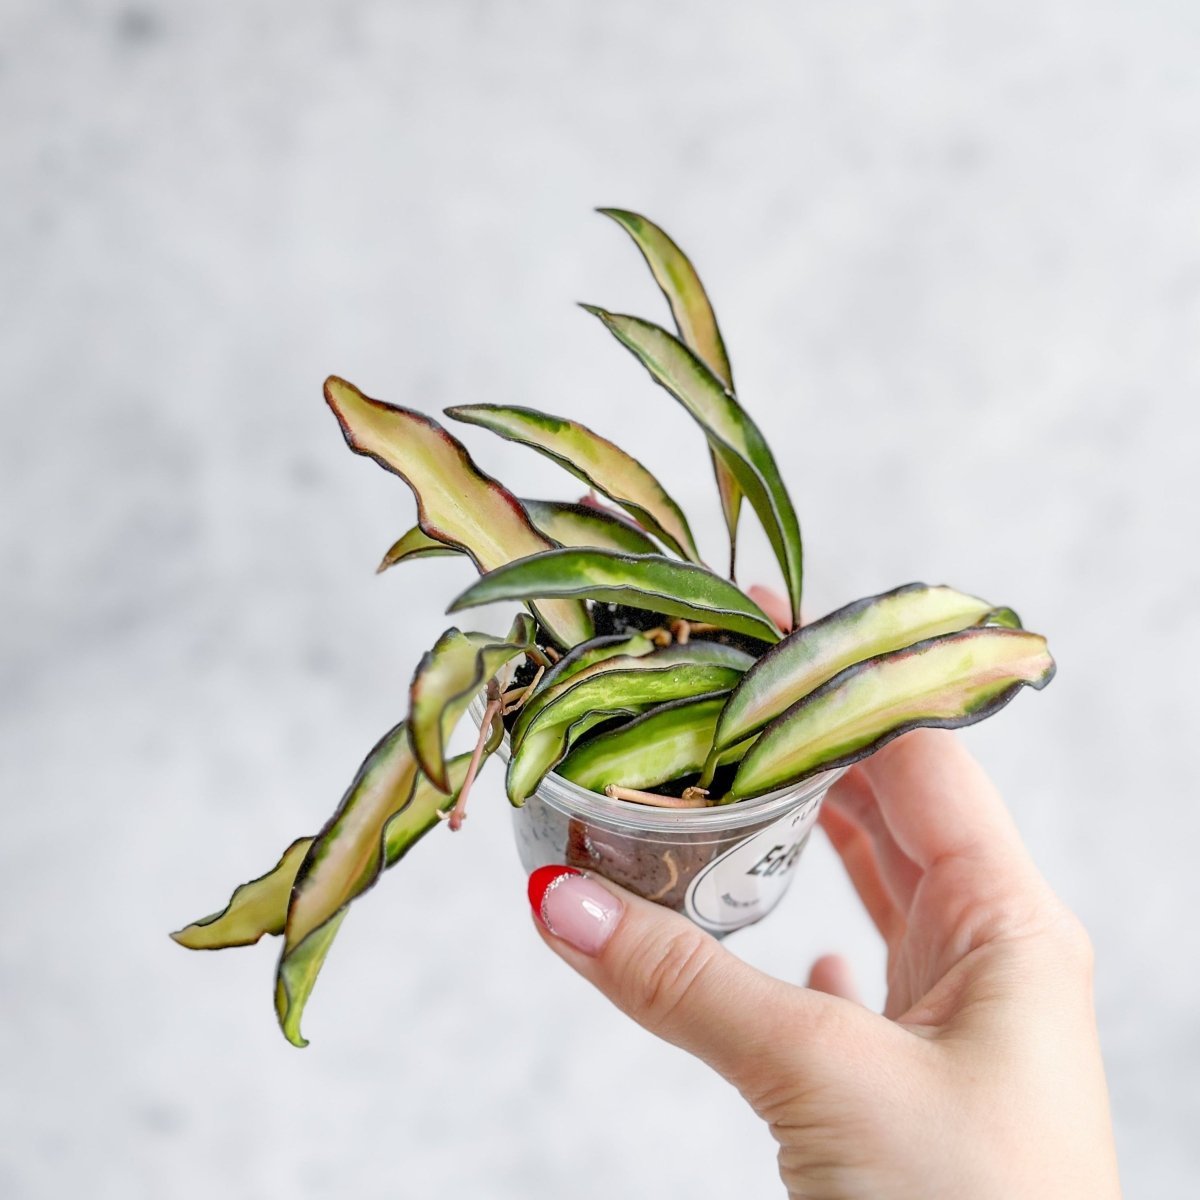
{"points": [[621, 653], [584, 525], [814, 653], [619, 686], [343, 861], [641, 580], [416, 543], [566, 524], [388, 809], [587, 654], [697, 325], [296, 975], [447, 679], [456, 502], [424, 809], [945, 682], [255, 908], [735, 438], [597, 461], [667, 742]]}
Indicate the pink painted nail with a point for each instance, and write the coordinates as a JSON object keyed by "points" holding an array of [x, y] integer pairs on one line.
{"points": [[574, 907]]}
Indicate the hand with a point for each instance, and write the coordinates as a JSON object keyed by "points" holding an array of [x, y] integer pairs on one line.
{"points": [[983, 1076]]}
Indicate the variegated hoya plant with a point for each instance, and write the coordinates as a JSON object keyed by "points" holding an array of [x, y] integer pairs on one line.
{"points": [[635, 670]]}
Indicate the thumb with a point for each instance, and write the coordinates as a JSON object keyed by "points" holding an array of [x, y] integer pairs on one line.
{"points": [[678, 982]]}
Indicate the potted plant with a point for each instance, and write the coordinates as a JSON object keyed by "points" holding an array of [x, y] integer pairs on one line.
{"points": [[658, 725]]}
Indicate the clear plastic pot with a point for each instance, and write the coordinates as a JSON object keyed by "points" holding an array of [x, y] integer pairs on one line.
{"points": [[723, 867]]}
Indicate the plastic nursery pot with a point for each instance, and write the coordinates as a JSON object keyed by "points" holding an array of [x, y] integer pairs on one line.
{"points": [[723, 867]]}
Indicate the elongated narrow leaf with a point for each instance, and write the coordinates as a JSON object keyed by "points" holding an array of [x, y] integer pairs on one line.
{"points": [[664, 743], [814, 653], [583, 525], [546, 746], [416, 543], [423, 810], [561, 522], [255, 908], [447, 679], [636, 653], [388, 809], [343, 862], [595, 460], [621, 689], [697, 325], [945, 682], [587, 654], [641, 580], [456, 502], [736, 439], [296, 974]]}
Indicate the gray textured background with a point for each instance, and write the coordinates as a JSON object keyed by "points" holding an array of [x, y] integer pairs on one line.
{"points": [[955, 250]]}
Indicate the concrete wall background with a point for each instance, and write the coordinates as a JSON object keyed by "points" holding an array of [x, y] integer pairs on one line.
{"points": [[955, 253]]}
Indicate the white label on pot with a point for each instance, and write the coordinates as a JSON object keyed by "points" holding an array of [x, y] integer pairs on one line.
{"points": [[747, 881]]}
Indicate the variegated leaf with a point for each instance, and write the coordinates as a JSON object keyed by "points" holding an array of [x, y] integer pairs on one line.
{"points": [[621, 687], [736, 439], [448, 678], [664, 743], [814, 653], [416, 543], [598, 462], [456, 502], [624, 653], [697, 325], [584, 525], [945, 682], [587, 654], [644, 581], [255, 908]]}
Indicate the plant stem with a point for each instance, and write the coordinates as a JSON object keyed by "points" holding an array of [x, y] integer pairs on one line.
{"points": [[517, 696], [615, 792], [458, 814]]}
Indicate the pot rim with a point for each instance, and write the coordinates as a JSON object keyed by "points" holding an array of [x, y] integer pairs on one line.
{"points": [[569, 797]]}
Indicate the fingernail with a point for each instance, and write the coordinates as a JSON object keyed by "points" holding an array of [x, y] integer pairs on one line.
{"points": [[574, 907]]}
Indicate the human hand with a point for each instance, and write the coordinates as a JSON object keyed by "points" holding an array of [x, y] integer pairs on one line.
{"points": [[982, 1078]]}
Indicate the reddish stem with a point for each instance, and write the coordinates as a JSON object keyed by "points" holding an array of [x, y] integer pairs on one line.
{"points": [[458, 814]]}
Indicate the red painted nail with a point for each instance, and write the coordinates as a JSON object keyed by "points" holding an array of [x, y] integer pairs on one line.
{"points": [[541, 881]]}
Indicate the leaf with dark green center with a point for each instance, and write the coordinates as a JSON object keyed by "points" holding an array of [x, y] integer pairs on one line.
{"points": [[390, 806], [664, 743], [261, 906], [946, 682], [448, 678], [343, 861], [587, 654], [562, 522], [697, 325], [597, 461], [425, 808], [416, 543], [585, 525], [647, 581], [617, 687], [456, 502], [388, 809], [620, 654], [738, 442], [814, 653], [255, 908]]}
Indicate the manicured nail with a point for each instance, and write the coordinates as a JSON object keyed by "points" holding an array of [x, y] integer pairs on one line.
{"points": [[574, 907]]}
